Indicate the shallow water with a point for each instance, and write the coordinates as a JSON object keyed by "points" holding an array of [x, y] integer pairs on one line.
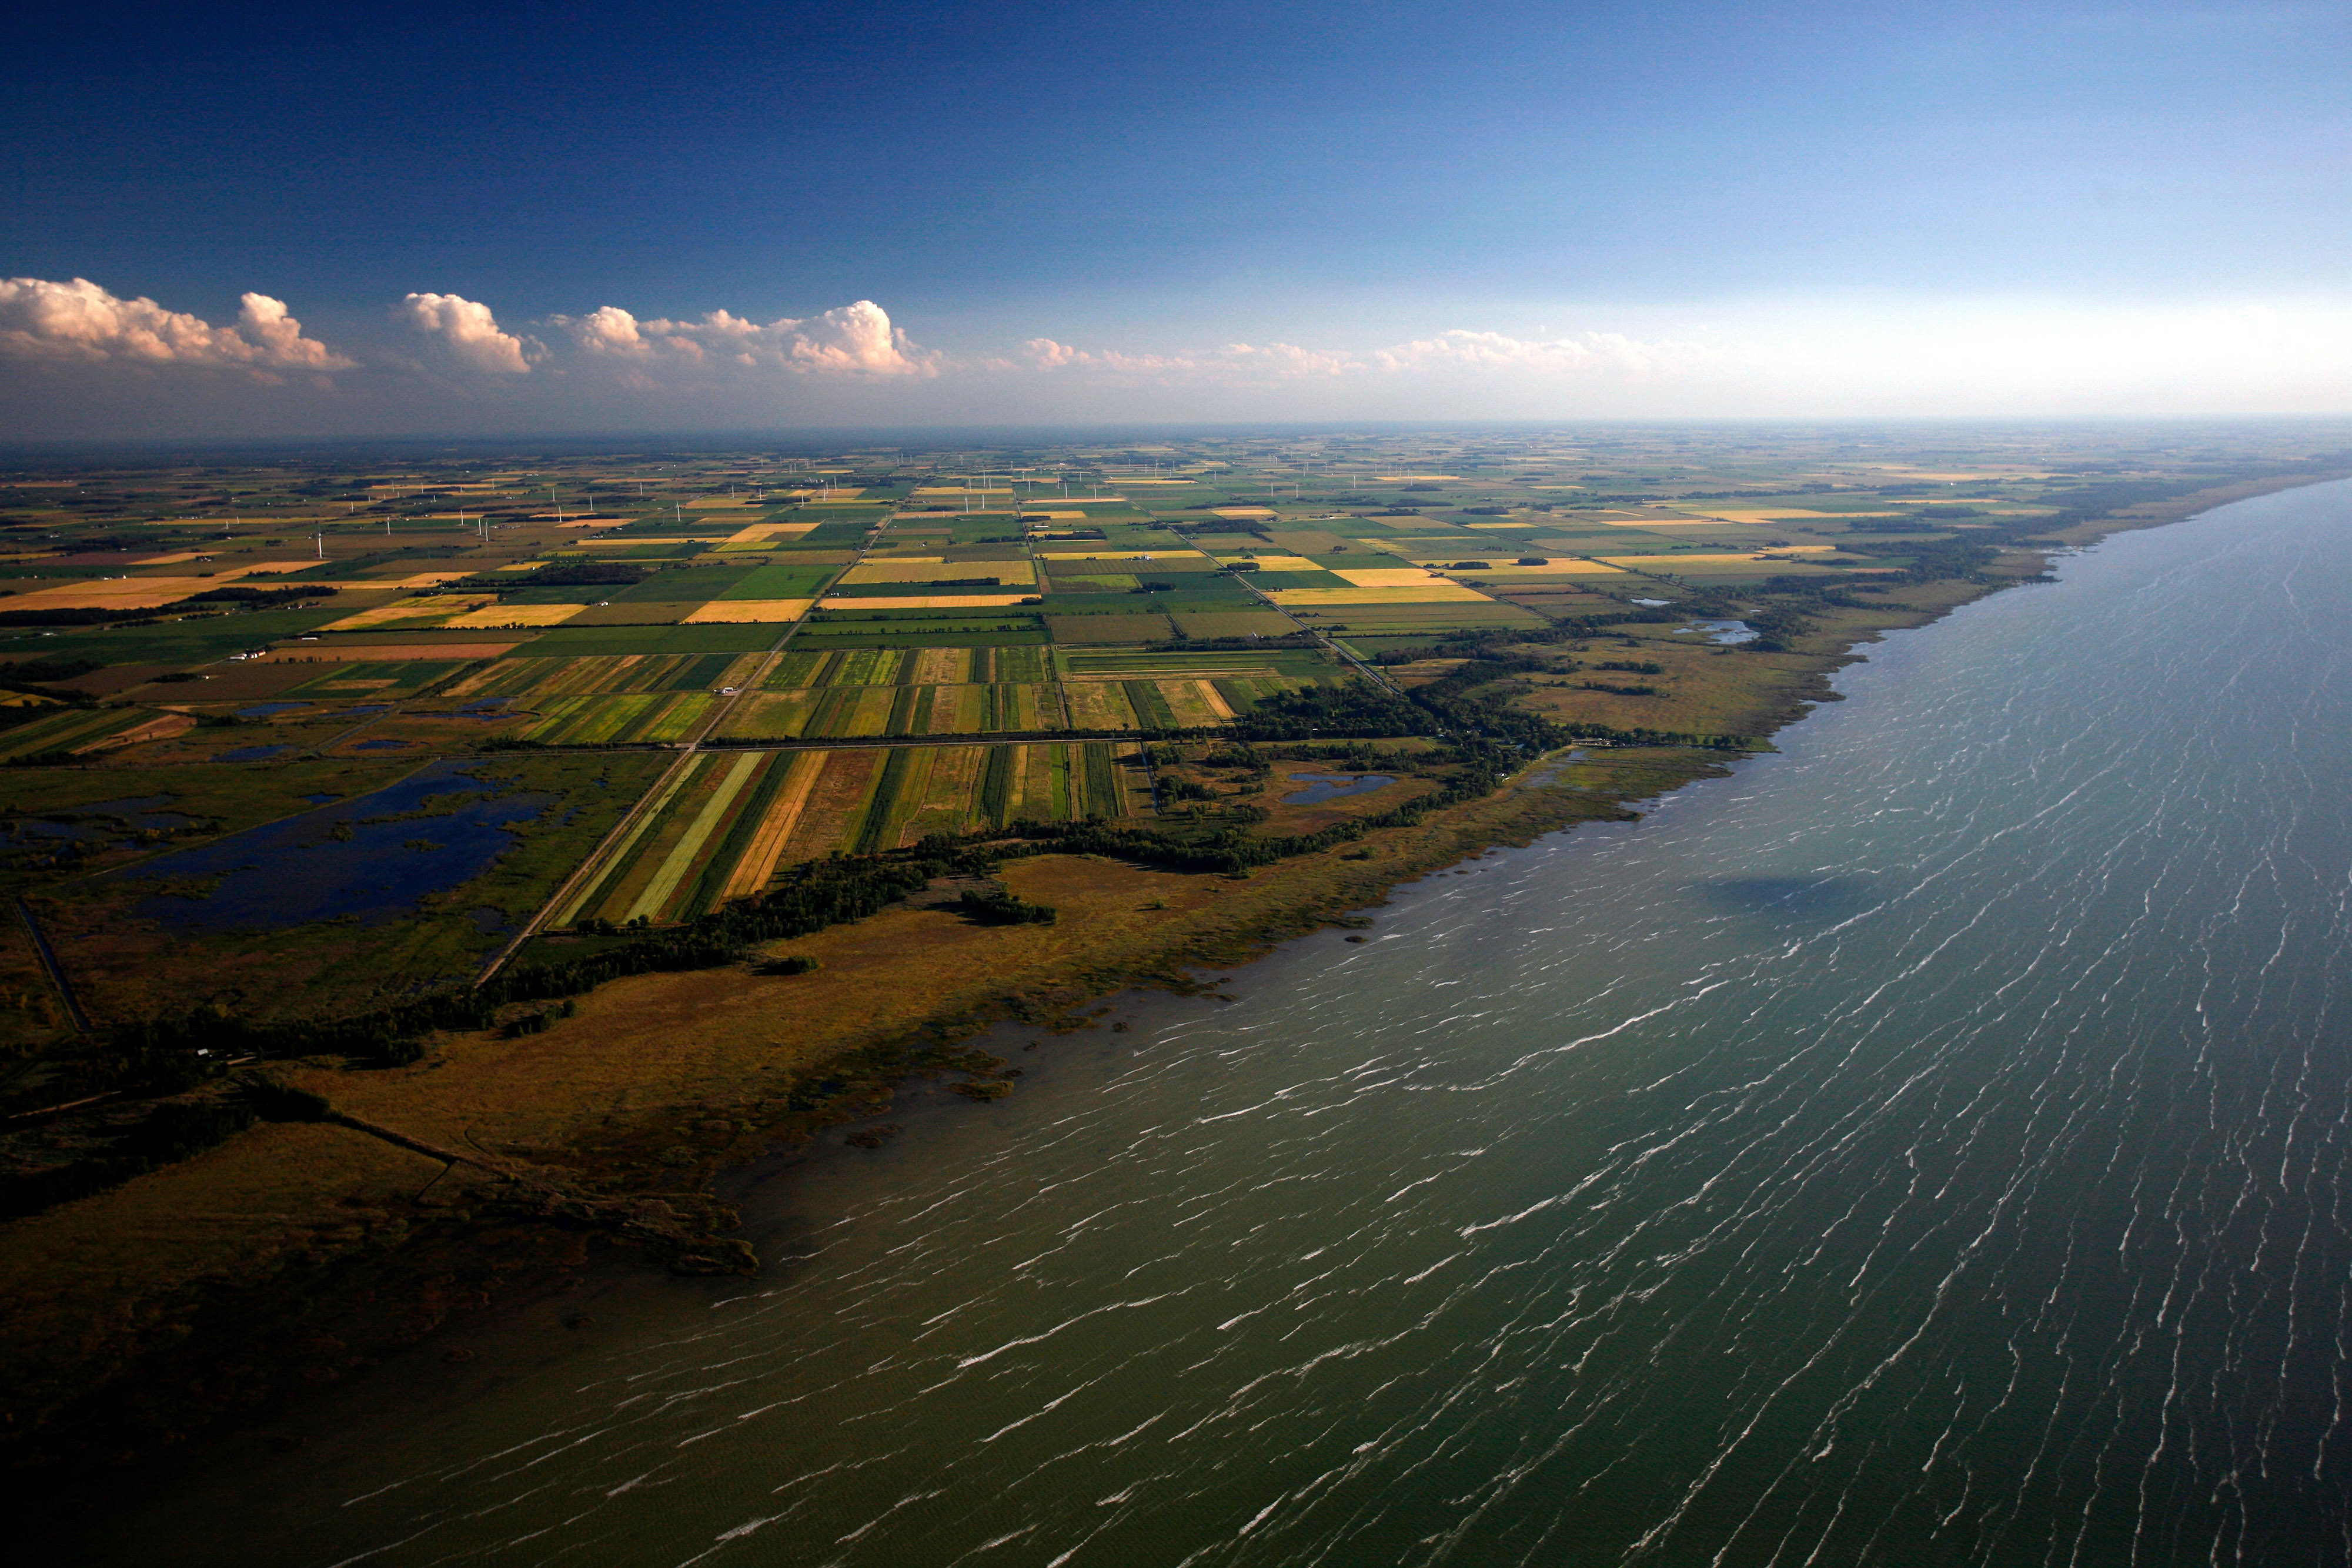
{"points": [[1322, 787], [1928, 1147], [346, 859]]}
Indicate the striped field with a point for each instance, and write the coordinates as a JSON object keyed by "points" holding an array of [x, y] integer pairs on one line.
{"points": [[592, 720], [731, 821], [909, 666], [80, 729], [531, 680], [834, 713]]}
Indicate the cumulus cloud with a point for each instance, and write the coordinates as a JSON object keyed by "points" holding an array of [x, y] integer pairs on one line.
{"points": [[856, 339], [468, 331], [78, 321]]}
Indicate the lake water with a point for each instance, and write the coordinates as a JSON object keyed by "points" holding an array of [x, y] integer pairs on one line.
{"points": [[1322, 787], [1928, 1147]]}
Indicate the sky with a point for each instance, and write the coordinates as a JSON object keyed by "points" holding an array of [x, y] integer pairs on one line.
{"points": [[265, 220]]}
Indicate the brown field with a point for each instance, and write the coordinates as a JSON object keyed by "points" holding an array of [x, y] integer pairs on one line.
{"points": [[337, 650], [634, 613], [1233, 623], [847, 777]]}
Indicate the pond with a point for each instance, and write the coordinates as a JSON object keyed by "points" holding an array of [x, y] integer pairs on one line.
{"points": [[251, 754], [1322, 787], [1721, 631], [372, 857]]}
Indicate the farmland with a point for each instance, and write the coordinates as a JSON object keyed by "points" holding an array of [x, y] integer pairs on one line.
{"points": [[816, 656], [293, 754]]}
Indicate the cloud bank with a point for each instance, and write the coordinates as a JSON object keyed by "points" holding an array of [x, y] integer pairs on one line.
{"points": [[857, 339], [78, 322], [90, 363]]}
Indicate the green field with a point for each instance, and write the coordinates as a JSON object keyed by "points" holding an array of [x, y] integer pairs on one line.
{"points": [[618, 720], [565, 642], [729, 821], [541, 678], [71, 730]]}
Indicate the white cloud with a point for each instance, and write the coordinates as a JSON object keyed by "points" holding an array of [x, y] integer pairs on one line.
{"points": [[1593, 352], [854, 339], [78, 321], [469, 331]]}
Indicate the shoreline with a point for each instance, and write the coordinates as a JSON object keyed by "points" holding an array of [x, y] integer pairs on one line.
{"points": [[1223, 929]]}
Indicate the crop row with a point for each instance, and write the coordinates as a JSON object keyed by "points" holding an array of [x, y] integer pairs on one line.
{"points": [[731, 821]]}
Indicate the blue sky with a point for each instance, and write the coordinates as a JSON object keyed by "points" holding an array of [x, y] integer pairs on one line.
{"points": [[1699, 208]]}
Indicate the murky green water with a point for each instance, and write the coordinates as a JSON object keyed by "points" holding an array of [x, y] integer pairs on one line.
{"points": [[1929, 1146]]}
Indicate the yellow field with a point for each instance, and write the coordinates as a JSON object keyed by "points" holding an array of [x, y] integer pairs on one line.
{"points": [[1278, 562], [1499, 525], [771, 531], [1436, 591], [732, 610], [516, 615], [930, 602], [1564, 568], [127, 594], [1386, 576], [141, 592], [1242, 511], [436, 608]]}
